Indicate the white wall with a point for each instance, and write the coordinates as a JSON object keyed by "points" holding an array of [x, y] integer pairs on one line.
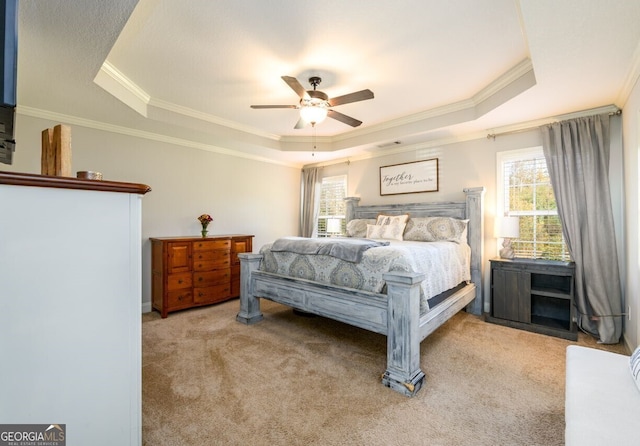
{"points": [[631, 142], [243, 196]]}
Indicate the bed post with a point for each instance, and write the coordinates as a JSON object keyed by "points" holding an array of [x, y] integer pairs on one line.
{"points": [[475, 214], [352, 204], [403, 372], [249, 304]]}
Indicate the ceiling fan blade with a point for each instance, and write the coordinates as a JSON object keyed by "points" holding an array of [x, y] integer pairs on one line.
{"points": [[351, 97], [274, 106], [343, 118], [300, 124], [295, 86]]}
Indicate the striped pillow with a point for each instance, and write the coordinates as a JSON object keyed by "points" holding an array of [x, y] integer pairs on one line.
{"points": [[634, 365]]}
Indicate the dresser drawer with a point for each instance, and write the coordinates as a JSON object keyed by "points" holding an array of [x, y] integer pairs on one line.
{"points": [[178, 281], [180, 298], [212, 293], [199, 256], [210, 278], [216, 260], [208, 245]]}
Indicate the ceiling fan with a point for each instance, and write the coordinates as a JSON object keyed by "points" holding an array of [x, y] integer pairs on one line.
{"points": [[315, 105]]}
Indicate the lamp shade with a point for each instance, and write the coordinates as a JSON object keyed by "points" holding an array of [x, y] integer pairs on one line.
{"points": [[313, 114], [333, 225], [509, 227]]}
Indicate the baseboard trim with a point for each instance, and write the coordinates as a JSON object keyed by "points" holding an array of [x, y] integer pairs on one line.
{"points": [[146, 307]]}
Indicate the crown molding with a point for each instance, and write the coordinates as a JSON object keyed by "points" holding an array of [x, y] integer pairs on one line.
{"points": [[500, 90], [522, 69], [152, 136], [191, 113], [531, 125], [631, 79], [471, 136], [124, 89], [119, 85], [397, 149]]}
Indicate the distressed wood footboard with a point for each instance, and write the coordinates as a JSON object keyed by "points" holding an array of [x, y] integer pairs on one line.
{"points": [[395, 314]]}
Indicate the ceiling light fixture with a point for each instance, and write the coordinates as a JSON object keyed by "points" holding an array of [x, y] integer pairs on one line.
{"points": [[314, 109]]}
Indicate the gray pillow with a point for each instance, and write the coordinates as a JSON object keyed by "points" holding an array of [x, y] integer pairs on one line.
{"points": [[358, 227], [435, 229]]}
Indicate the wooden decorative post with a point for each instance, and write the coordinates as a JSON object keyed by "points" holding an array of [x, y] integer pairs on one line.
{"points": [[56, 151]]}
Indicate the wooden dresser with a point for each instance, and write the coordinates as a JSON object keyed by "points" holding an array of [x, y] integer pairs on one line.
{"points": [[194, 271]]}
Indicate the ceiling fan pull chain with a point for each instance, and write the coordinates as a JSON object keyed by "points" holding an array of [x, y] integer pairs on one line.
{"points": [[313, 152]]}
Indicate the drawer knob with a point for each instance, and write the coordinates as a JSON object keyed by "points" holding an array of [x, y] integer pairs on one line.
{"points": [[199, 279], [179, 281], [180, 297]]}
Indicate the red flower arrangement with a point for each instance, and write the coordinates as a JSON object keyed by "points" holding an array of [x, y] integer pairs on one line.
{"points": [[205, 219]]}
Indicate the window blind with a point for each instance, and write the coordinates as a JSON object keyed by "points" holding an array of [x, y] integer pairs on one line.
{"points": [[332, 206], [528, 194]]}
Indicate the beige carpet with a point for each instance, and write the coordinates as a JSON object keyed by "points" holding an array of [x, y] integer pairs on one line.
{"points": [[292, 380]]}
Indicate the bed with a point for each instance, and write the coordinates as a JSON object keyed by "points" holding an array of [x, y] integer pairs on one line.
{"points": [[395, 310]]}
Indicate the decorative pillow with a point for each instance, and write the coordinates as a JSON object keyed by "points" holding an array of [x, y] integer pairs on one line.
{"points": [[634, 365], [436, 229], [386, 232], [358, 227], [392, 219]]}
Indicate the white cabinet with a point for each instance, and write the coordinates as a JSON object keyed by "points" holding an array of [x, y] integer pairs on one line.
{"points": [[70, 306]]}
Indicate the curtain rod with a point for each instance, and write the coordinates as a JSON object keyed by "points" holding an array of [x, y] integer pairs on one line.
{"points": [[526, 129]]}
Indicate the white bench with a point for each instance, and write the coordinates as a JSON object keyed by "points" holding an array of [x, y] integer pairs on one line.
{"points": [[602, 404]]}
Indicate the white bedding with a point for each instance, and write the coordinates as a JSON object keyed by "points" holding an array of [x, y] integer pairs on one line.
{"points": [[446, 264]]}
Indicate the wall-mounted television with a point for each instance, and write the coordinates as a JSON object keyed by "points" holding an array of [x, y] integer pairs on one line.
{"points": [[9, 68]]}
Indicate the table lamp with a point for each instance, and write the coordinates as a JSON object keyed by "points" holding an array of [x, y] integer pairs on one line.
{"points": [[509, 229], [334, 226]]}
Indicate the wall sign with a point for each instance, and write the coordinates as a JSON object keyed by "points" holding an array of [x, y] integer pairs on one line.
{"points": [[409, 178]]}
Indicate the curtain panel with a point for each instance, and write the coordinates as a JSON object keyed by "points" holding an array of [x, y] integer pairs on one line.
{"points": [[577, 156], [310, 197]]}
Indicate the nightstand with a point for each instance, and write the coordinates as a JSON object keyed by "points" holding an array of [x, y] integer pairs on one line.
{"points": [[534, 295]]}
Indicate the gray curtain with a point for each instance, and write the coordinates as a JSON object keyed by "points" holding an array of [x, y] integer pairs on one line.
{"points": [[577, 155], [310, 198]]}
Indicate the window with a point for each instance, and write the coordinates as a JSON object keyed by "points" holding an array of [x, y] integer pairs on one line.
{"points": [[526, 192], [331, 215]]}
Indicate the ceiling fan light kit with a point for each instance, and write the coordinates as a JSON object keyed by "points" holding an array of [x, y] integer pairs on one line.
{"points": [[313, 113], [315, 105]]}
